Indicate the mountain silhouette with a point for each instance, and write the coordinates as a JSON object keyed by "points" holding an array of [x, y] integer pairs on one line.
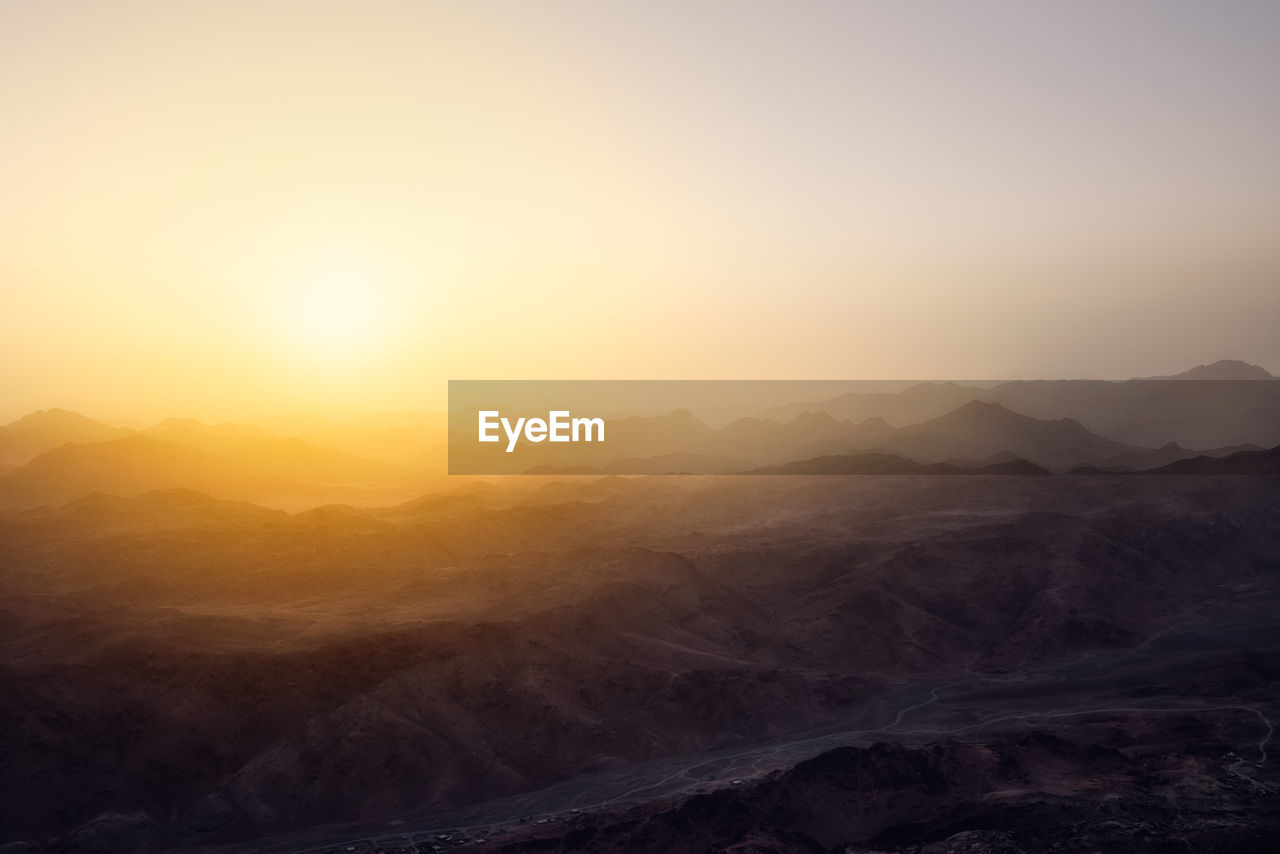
{"points": [[977, 436], [197, 434], [880, 463], [809, 434], [46, 429], [1242, 462], [909, 406], [1145, 413], [131, 465], [1169, 453], [980, 429], [126, 466], [679, 463], [1223, 369], [1209, 409]]}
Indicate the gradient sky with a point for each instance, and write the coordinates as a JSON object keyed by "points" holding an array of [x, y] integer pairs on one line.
{"points": [[229, 209]]}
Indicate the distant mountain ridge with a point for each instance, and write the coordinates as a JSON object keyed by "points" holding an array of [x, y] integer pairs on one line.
{"points": [[807, 435], [880, 463], [46, 429], [918, 403], [980, 429], [137, 463], [1263, 462], [1215, 411], [974, 434], [1060, 425], [1223, 369], [972, 438]]}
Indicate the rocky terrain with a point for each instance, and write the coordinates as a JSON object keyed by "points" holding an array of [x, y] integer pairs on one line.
{"points": [[180, 671], [1032, 792]]}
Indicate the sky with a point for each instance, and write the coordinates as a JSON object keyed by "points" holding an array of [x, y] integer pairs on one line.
{"points": [[232, 209]]}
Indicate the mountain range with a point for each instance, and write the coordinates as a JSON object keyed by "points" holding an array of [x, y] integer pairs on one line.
{"points": [[53, 456], [235, 463], [1223, 369], [1209, 406], [1008, 663], [47, 429], [975, 435], [645, 664]]}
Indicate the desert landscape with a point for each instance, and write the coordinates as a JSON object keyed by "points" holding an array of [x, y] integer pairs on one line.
{"points": [[897, 661], [639, 427]]}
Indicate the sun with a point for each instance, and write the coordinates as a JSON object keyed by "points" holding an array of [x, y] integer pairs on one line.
{"points": [[337, 306], [336, 313]]}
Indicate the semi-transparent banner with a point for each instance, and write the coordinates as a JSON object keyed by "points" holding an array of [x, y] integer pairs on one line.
{"points": [[1024, 427]]}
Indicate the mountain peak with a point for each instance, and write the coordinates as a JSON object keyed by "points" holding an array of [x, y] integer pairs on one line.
{"points": [[45, 418], [813, 419], [982, 407], [981, 415], [46, 429], [1223, 369]]}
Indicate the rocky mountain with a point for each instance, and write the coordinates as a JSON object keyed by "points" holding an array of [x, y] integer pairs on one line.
{"points": [[1024, 793], [188, 671]]}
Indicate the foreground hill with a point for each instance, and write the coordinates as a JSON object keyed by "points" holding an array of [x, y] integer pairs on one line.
{"points": [[192, 671], [1024, 793]]}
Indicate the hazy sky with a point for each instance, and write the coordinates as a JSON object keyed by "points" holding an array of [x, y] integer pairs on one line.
{"points": [[227, 209]]}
